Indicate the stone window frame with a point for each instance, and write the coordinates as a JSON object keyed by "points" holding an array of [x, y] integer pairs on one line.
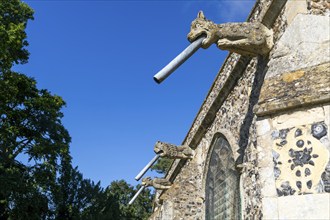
{"points": [[233, 144]]}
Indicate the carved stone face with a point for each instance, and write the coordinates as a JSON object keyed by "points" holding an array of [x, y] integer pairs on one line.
{"points": [[201, 26], [158, 149], [146, 181]]}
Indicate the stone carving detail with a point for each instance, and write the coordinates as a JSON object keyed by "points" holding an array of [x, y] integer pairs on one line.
{"points": [[318, 7], [173, 152], [301, 160], [157, 183], [246, 38]]}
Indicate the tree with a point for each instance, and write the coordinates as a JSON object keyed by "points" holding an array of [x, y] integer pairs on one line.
{"points": [[30, 124], [14, 16], [115, 205], [46, 186], [73, 194], [162, 165]]}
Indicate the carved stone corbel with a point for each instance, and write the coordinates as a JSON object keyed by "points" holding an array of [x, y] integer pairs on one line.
{"points": [[245, 38], [173, 152]]}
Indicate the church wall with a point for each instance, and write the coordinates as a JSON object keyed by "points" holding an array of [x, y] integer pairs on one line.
{"points": [[233, 120], [293, 123], [258, 114]]}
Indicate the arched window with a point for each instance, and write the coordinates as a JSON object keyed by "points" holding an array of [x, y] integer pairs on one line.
{"points": [[222, 200]]}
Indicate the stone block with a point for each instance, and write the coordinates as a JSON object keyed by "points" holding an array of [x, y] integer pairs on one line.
{"points": [[296, 89], [305, 43], [267, 181], [263, 126], [312, 206], [294, 7], [298, 118], [265, 153], [270, 208]]}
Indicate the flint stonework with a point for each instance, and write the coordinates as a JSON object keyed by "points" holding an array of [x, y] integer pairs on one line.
{"points": [[273, 108]]}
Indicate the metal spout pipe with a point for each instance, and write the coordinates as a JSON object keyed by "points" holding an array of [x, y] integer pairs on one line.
{"points": [[136, 195], [180, 59], [146, 168]]}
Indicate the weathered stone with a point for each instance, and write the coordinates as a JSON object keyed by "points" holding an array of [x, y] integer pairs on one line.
{"points": [[305, 43], [303, 153], [295, 167], [267, 181], [291, 90], [318, 7], [246, 38], [293, 8], [297, 118], [173, 152], [263, 127], [312, 206], [270, 208], [157, 183]]}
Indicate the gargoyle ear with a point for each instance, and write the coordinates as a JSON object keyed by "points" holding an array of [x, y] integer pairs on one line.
{"points": [[201, 15]]}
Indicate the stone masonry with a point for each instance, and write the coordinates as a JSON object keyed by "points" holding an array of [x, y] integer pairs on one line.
{"points": [[261, 137]]}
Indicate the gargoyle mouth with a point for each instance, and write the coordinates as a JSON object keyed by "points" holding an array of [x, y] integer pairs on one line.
{"points": [[206, 42], [193, 36], [159, 152]]}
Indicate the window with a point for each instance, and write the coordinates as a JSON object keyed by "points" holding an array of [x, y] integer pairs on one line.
{"points": [[222, 183]]}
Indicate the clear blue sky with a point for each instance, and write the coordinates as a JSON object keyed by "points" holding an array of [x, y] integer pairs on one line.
{"points": [[100, 56]]}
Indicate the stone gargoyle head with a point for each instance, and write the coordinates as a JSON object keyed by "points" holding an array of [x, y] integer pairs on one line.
{"points": [[146, 181], [159, 149], [157, 183], [172, 151], [201, 26]]}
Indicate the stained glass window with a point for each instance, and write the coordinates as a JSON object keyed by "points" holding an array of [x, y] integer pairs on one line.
{"points": [[222, 183]]}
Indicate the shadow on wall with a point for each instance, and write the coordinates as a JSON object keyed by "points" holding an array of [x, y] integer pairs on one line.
{"points": [[253, 100]]}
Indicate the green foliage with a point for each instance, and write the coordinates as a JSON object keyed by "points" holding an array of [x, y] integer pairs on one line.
{"points": [[118, 194], [162, 165], [47, 186], [113, 203], [30, 121], [14, 16], [30, 125], [73, 193]]}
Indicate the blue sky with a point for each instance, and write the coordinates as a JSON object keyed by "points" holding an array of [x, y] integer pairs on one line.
{"points": [[100, 56]]}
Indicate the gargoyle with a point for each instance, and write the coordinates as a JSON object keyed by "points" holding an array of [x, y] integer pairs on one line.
{"points": [[157, 183], [246, 38], [173, 152]]}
